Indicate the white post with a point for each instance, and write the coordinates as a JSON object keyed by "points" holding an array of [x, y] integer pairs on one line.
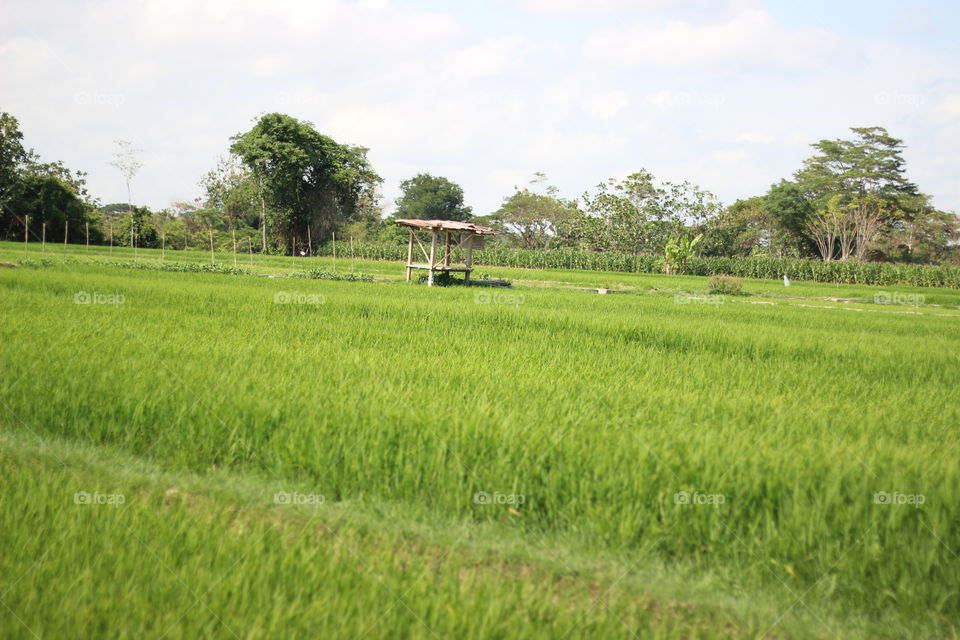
{"points": [[433, 250]]}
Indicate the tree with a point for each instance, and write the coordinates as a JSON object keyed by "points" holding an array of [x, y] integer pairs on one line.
{"points": [[312, 183], [45, 192], [534, 218], [744, 228], [641, 216], [432, 198], [871, 164], [12, 156], [46, 198], [125, 159], [233, 191], [790, 209]]}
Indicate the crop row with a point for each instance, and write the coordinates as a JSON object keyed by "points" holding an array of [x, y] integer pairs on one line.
{"points": [[873, 273]]}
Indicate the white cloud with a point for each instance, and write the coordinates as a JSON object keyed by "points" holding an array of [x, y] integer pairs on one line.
{"points": [[753, 137], [749, 40], [675, 90]]}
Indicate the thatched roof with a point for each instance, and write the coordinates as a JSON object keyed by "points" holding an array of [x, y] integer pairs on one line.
{"points": [[446, 225]]}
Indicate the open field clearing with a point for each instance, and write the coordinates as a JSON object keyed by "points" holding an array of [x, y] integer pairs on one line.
{"points": [[529, 462]]}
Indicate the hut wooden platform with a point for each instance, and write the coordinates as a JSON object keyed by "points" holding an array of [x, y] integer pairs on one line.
{"points": [[445, 236]]}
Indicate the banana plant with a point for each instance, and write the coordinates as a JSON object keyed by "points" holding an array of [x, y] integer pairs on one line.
{"points": [[677, 252]]}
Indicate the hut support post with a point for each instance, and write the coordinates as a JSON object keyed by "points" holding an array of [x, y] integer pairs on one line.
{"points": [[409, 255], [469, 260], [433, 253]]}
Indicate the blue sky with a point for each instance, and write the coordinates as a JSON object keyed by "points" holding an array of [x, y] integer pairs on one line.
{"points": [[728, 94]]}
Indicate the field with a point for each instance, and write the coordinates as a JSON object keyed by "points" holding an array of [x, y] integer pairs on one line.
{"points": [[207, 454]]}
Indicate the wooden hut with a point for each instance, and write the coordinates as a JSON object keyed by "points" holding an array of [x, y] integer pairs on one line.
{"points": [[445, 236]]}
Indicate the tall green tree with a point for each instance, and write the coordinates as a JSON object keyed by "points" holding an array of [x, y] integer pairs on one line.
{"points": [[870, 164], [641, 216], [45, 192], [312, 183], [535, 220], [849, 195], [432, 198], [12, 156]]}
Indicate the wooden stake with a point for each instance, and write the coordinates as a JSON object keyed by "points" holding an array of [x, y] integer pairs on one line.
{"points": [[309, 243], [163, 246], [446, 256], [111, 238], [212, 261], [353, 265], [234, 232], [26, 235], [334, 250], [88, 235], [66, 234], [250, 246], [43, 247]]}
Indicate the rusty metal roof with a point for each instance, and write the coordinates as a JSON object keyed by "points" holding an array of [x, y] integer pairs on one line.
{"points": [[446, 225]]}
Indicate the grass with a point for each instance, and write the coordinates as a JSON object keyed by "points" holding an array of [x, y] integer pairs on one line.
{"points": [[728, 456]]}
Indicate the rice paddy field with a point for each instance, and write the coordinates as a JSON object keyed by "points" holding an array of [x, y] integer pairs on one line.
{"points": [[211, 454]]}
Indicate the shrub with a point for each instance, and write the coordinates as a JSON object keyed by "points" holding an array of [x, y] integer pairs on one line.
{"points": [[725, 285]]}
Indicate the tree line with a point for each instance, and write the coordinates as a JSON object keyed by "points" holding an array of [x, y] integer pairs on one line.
{"points": [[284, 187]]}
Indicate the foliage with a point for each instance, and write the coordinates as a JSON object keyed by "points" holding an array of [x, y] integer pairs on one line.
{"points": [[12, 156], [877, 273], [312, 183], [678, 251], [640, 216], [533, 217], [324, 274], [45, 192], [725, 285], [431, 198]]}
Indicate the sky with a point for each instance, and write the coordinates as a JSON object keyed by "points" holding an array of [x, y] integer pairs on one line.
{"points": [[727, 94]]}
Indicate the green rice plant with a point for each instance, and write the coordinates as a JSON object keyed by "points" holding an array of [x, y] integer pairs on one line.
{"points": [[799, 453]]}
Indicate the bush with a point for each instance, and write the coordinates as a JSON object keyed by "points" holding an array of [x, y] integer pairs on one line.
{"points": [[440, 279], [725, 285]]}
